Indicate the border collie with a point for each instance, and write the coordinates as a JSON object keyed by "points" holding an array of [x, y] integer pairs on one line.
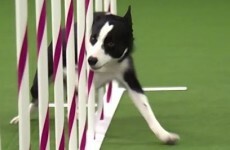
{"points": [[109, 56]]}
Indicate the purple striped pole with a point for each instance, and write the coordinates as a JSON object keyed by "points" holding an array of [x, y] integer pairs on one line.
{"points": [[113, 9], [71, 78], [98, 5], [109, 85], [113, 6], [23, 74], [109, 92], [58, 74], [107, 6], [99, 8], [110, 6], [82, 125], [91, 88], [42, 74]]}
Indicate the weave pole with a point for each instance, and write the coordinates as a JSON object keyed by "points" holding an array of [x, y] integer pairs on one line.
{"points": [[101, 91], [82, 125], [107, 5], [107, 8], [98, 5], [23, 74], [42, 74], [113, 6], [58, 74], [71, 78], [108, 87], [91, 87], [111, 97], [110, 6]]}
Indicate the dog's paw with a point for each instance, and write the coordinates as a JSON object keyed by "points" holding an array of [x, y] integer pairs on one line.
{"points": [[15, 120], [170, 138]]}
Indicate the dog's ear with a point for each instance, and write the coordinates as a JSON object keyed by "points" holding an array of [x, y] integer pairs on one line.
{"points": [[128, 16]]}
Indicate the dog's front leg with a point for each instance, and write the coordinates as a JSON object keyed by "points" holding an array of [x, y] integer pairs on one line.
{"points": [[141, 102]]}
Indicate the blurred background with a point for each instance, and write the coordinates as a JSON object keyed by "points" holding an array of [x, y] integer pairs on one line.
{"points": [[177, 43]]}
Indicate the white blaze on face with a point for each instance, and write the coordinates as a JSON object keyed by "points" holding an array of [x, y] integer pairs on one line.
{"points": [[97, 50]]}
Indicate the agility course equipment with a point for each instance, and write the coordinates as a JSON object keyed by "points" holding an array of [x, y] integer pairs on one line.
{"points": [[58, 74], [42, 74], [88, 131], [23, 74], [71, 73]]}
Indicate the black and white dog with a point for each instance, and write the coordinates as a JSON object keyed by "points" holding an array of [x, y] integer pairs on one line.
{"points": [[109, 56]]}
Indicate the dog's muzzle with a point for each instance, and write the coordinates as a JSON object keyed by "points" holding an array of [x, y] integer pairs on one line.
{"points": [[92, 63]]}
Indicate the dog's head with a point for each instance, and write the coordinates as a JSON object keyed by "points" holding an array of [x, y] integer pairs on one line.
{"points": [[111, 39]]}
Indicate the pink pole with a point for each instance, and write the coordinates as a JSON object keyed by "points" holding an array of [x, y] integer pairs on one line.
{"points": [[109, 92], [91, 88], [110, 6], [58, 74], [82, 125], [71, 78], [23, 74], [42, 74]]}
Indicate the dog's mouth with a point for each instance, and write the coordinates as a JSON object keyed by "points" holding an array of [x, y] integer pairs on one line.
{"points": [[95, 68]]}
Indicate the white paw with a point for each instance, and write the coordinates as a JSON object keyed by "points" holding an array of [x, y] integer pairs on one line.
{"points": [[15, 120], [170, 138]]}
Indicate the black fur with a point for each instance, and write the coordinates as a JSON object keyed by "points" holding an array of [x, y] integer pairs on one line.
{"points": [[131, 79]]}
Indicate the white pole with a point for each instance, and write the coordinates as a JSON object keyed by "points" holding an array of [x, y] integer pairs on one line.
{"points": [[101, 91], [23, 74], [58, 74], [107, 5], [177, 88], [113, 6], [71, 78], [42, 74], [91, 88], [113, 10], [98, 5], [100, 114], [81, 73]]}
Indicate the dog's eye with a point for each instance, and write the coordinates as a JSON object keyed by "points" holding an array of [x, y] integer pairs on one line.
{"points": [[93, 39], [110, 44]]}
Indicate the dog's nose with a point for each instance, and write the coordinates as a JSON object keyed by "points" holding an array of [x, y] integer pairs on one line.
{"points": [[92, 60]]}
